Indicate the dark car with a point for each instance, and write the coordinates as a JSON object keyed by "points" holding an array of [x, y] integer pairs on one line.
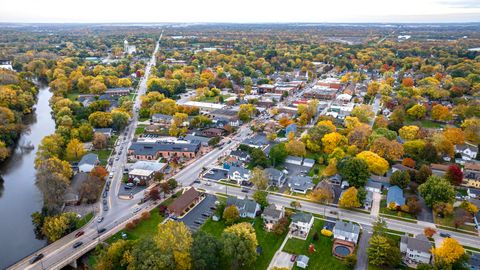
{"points": [[442, 234], [293, 258], [198, 222], [127, 187], [80, 233], [245, 190], [197, 181], [36, 258], [77, 244], [105, 194], [206, 214], [101, 230]]}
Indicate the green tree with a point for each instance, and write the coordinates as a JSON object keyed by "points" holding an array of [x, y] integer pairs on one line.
{"points": [[437, 190], [260, 197], [278, 154], [381, 252], [231, 214], [400, 178], [259, 178], [206, 251], [240, 245], [146, 255], [119, 120], [354, 171]]}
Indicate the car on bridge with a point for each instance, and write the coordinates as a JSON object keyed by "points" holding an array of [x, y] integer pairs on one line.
{"points": [[101, 230], [80, 233], [77, 244], [36, 258], [100, 219]]}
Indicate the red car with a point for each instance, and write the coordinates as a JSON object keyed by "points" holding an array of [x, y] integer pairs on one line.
{"points": [[293, 258], [80, 233]]}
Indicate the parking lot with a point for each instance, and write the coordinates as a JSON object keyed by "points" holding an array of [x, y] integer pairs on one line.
{"points": [[127, 192], [216, 174], [198, 215]]}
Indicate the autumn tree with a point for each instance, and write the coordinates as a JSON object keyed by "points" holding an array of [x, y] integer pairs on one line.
{"points": [[436, 190], [391, 150], [322, 195], [454, 135], [429, 231], [296, 148], [408, 132], [454, 175], [75, 150], [354, 171], [349, 198], [400, 178], [100, 140], [55, 227], [471, 128], [246, 112], [333, 140], [53, 179], [100, 119], [441, 113], [240, 245], [448, 253], [115, 256], [363, 112], [175, 239], [417, 111], [231, 214], [376, 164]]}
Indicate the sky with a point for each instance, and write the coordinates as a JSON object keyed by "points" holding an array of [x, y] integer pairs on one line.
{"points": [[239, 11]]}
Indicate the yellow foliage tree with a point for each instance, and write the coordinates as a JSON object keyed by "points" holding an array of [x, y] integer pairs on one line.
{"points": [[327, 123], [75, 150], [454, 135], [176, 239], [333, 140], [349, 198], [376, 164], [448, 252], [408, 132]]}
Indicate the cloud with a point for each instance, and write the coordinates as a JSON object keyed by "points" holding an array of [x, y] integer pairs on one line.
{"points": [[461, 3]]}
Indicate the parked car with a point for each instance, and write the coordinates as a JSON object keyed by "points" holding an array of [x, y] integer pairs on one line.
{"points": [[100, 219], [333, 212], [443, 234], [245, 190], [197, 181], [127, 187], [77, 244], [129, 184], [80, 233], [36, 258], [136, 210], [101, 230], [105, 194]]}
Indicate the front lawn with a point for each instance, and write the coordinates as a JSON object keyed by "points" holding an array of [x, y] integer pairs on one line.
{"points": [[268, 241], [322, 258], [103, 155], [146, 228], [450, 222], [384, 210], [317, 169], [140, 129]]}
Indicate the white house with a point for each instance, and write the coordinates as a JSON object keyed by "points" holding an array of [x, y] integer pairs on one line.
{"points": [[238, 174], [468, 151], [301, 224], [416, 250], [294, 160], [88, 162], [347, 231], [302, 261], [246, 208]]}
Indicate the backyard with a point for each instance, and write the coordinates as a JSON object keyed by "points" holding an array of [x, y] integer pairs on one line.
{"points": [[322, 258]]}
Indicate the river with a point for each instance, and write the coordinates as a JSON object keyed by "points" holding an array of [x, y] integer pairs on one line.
{"points": [[19, 196]]}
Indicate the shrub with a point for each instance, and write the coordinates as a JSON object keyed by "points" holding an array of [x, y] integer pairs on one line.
{"points": [[429, 232], [145, 215], [130, 226], [326, 232]]}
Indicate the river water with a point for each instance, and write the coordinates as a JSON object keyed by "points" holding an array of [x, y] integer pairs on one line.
{"points": [[19, 196]]}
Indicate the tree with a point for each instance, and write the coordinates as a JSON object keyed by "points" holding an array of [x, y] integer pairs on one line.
{"points": [[295, 204], [174, 239], [100, 119], [349, 198], [4, 151], [391, 150], [429, 232], [409, 162], [278, 154], [85, 132], [75, 150], [333, 140], [50, 146], [422, 174], [354, 171], [470, 207], [117, 256], [471, 128], [441, 113], [260, 197], [454, 175], [55, 227], [381, 252], [246, 112], [409, 132], [331, 169], [206, 251], [240, 245], [448, 253], [435, 190], [296, 148], [146, 255], [359, 136], [376, 164], [285, 122], [461, 216], [119, 119], [166, 106], [258, 158], [100, 140], [443, 209], [379, 226], [417, 111], [400, 178], [91, 188], [231, 214], [53, 179], [322, 195], [454, 135], [259, 178], [443, 145], [280, 227], [364, 113]]}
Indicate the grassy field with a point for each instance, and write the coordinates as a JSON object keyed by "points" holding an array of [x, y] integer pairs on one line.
{"points": [[450, 222], [424, 123], [322, 258], [102, 155], [269, 242], [84, 220], [146, 228], [140, 130], [72, 96]]}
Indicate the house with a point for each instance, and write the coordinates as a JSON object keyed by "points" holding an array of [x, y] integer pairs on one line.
{"points": [[473, 193], [275, 177], [385, 181], [185, 202], [335, 179], [302, 261], [162, 119], [238, 174], [471, 175], [271, 215], [300, 184], [193, 138], [142, 172], [294, 160], [213, 132], [204, 106], [240, 155], [246, 208], [326, 185], [154, 150], [401, 167], [373, 186], [290, 128], [308, 162], [259, 140], [105, 131], [88, 162], [439, 169], [367, 203], [468, 151], [224, 117], [301, 224], [395, 195], [346, 231], [72, 193], [231, 161], [416, 249], [474, 261]]}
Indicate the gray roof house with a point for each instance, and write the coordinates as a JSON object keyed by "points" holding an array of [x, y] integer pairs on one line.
{"points": [[271, 215], [373, 186], [88, 162], [105, 131], [246, 208], [302, 261], [300, 184], [275, 177], [395, 194], [301, 224], [162, 118], [416, 250], [346, 231], [259, 140], [241, 155], [238, 174], [467, 151], [308, 162], [294, 160], [193, 138]]}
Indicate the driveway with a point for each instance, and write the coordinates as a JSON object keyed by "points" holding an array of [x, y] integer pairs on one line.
{"points": [[282, 259], [196, 213], [362, 258], [427, 214], [377, 197]]}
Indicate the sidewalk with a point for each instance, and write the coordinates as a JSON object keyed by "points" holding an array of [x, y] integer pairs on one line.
{"points": [[281, 259]]}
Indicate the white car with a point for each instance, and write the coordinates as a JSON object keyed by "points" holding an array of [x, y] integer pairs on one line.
{"points": [[136, 210]]}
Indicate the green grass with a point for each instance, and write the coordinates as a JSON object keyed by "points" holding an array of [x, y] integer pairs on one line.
{"points": [[424, 123], [139, 130], [449, 221], [269, 242], [146, 228], [316, 168], [84, 220], [384, 210], [322, 258], [102, 155], [72, 96]]}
